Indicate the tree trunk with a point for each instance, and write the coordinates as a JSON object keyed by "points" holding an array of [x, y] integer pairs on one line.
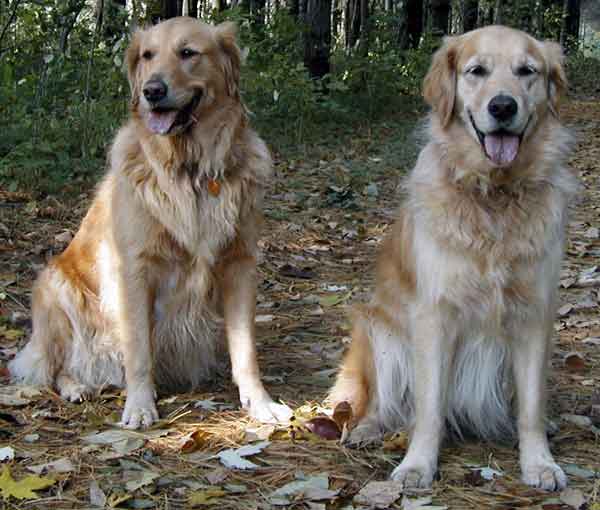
{"points": [[440, 15], [193, 8], [294, 8], [67, 19], [257, 11], [317, 37], [498, 18], [353, 23], [414, 22], [170, 9], [364, 27], [570, 31], [469, 21]]}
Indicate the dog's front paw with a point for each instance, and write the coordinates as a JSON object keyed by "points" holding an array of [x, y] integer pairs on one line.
{"points": [[140, 409], [267, 411], [545, 475], [72, 390], [366, 433], [414, 475]]}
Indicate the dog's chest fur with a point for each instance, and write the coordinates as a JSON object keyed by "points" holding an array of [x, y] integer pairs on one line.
{"points": [[489, 255]]}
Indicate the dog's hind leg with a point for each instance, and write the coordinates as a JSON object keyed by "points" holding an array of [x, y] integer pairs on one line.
{"points": [[43, 356], [356, 384]]}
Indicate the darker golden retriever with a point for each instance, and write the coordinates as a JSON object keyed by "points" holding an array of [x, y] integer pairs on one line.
{"points": [[165, 260]]}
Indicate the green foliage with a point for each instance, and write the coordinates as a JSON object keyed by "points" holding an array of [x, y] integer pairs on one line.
{"points": [[64, 104]]}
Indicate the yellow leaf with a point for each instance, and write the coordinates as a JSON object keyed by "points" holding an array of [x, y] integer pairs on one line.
{"points": [[12, 334], [22, 489], [206, 497]]}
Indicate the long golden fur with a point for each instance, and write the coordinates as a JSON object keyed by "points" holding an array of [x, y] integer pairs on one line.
{"points": [[165, 260], [465, 297]]}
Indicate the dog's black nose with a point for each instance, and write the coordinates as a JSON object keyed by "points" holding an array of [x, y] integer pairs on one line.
{"points": [[502, 107], [155, 90]]}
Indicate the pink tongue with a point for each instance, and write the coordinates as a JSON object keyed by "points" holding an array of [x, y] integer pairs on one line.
{"points": [[501, 149], [160, 122]]}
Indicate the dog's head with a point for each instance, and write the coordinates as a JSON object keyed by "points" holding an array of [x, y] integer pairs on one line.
{"points": [[499, 83], [179, 70]]}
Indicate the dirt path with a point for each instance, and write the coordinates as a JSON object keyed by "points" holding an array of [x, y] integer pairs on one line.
{"points": [[319, 246]]}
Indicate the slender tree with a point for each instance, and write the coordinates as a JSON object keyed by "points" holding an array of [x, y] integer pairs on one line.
{"points": [[171, 8], [569, 36], [469, 15], [440, 16], [317, 37]]}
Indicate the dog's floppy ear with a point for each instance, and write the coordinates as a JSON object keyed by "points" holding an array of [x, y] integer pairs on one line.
{"points": [[439, 86], [557, 79], [226, 34], [132, 59]]}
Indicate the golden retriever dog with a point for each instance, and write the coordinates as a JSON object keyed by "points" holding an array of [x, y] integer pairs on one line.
{"points": [[164, 262], [466, 288]]}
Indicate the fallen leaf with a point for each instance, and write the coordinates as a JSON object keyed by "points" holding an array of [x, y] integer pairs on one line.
{"points": [[578, 471], [324, 427], [7, 453], [263, 318], [141, 503], [205, 497], [379, 494], [216, 476], [234, 488], [592, 340], [62, 465], [260, 433], [576, 419], [294, 272], [314, 488], [12, 334], [24, 488], [398, 441], [573, 497], [18, 395], [234, 458], [487, 473], [97, 495], [342, 414], [122, 441], [195, 440], [138, 479], [565, 310], [420, 504], [574, 362], [64, 237], [212, 405]]}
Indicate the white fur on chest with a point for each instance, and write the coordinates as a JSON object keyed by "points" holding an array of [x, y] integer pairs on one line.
{"points": [[485, 294]]}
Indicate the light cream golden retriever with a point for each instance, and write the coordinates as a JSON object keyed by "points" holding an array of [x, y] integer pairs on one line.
{"points": [[467, 281], [165, 259]]}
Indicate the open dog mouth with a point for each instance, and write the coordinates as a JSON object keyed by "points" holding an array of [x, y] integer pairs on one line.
{"points": [[500, 146], [162, 121]]}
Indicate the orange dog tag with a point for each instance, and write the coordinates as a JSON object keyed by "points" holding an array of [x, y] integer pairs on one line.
{"points": [[214, 187]]}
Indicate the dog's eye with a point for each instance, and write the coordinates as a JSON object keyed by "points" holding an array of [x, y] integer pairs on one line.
{"points": [[187, 53], [147, 55], [477, 70], [526, 71]]}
